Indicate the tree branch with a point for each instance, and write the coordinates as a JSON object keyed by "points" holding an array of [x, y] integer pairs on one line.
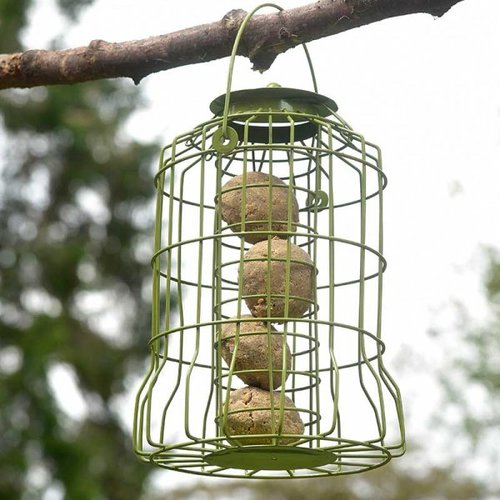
{"points": [[265, 38]]}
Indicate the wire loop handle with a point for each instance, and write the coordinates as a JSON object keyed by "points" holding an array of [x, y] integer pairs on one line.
{"points": [[236, 44]]}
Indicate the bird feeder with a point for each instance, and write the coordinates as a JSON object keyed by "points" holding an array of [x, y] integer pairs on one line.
{"points": [[266, 344]]}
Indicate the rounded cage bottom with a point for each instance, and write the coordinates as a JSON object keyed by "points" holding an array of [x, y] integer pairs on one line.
{"points": [[271, 458], [211, 458]]}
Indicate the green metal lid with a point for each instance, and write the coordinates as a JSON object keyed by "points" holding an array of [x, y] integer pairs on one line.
{"points": [[284, 104], [269, 99]]}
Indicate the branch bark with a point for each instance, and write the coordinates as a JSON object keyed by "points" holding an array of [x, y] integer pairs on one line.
{"points": [[265, 38]]}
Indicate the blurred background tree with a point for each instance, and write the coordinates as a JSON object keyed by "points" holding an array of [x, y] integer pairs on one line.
{"points": [[75, 226], [387, 483]]}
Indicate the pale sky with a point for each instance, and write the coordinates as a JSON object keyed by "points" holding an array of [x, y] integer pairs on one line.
{"points": [[426, 90]]}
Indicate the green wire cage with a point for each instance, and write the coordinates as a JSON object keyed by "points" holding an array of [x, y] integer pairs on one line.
{"points": [[269, 235]]}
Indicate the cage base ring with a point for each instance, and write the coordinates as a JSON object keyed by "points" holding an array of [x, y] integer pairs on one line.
{"points": [[271, 458]]}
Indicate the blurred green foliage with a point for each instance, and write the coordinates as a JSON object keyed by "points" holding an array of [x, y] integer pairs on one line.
{"points": [[75, 218], [386, 483], [476, 392]]}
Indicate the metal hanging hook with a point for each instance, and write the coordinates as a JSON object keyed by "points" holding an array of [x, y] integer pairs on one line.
{"points": [[227, 136]]}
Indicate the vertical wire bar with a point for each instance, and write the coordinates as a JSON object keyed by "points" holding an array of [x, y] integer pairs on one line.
{"points": [[169, 243], [155, 318], [362, 241], [380, 249], [218, 296], [385, 375], [380, 275], [291, 229], [314, 404], [310, 202], [199, 295], [294, 239], [139, 407], [334, 371], [269, 300], [236, 339], [380, 418], [270, 187], [288, 266], [167, 297], [213, 313], [362, 357], [170, 216]]}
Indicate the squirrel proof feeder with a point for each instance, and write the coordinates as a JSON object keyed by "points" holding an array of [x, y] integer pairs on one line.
{"points": [[266, 345]]}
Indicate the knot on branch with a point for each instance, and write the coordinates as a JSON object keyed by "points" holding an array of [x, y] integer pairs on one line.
{"points": [[233, 19], [264, 53], [97, 44], [284, 33]]}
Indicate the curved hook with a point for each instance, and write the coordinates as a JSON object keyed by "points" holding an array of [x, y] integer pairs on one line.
{"points": [[233, 57]]}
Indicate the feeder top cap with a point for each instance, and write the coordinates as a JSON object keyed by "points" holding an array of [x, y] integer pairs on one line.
{"points": [[275, 98]]}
